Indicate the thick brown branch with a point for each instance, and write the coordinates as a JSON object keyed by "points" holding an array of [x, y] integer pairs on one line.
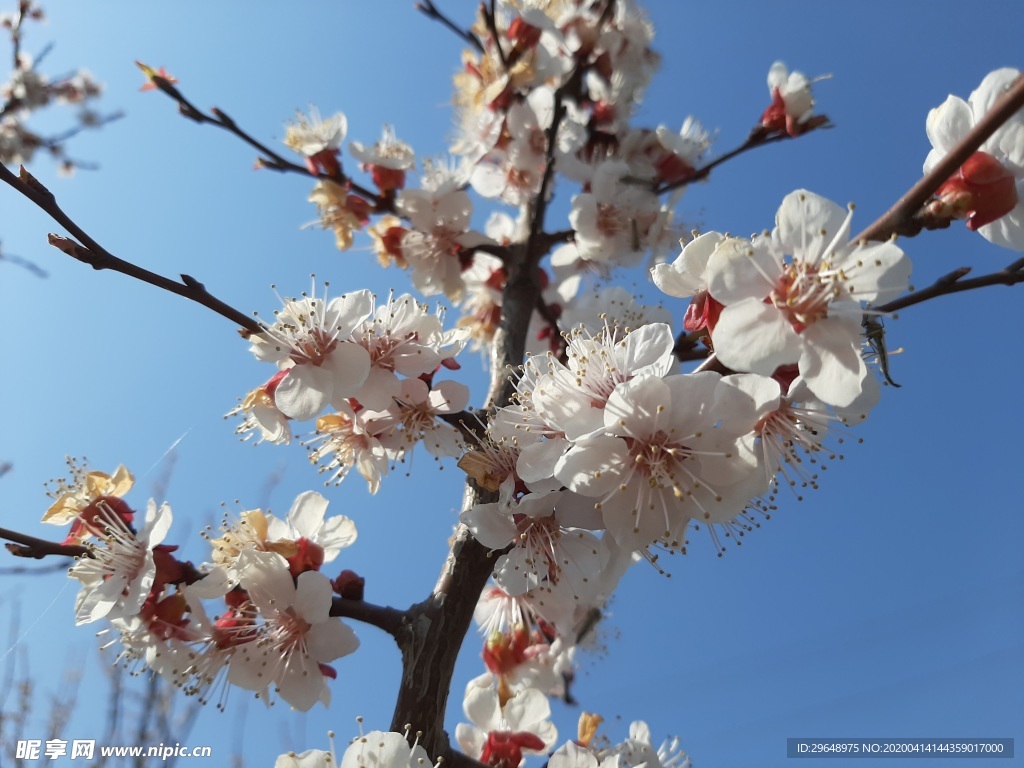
{"points": [[30, 546], [901, 216], [88, 251], [380, 616]]}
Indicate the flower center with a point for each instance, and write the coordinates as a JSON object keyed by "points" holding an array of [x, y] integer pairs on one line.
{"points": [[313, 347], [803, 294]]}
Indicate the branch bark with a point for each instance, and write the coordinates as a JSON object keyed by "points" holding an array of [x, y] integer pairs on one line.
{"points": [[899, 219], [90, 252]]}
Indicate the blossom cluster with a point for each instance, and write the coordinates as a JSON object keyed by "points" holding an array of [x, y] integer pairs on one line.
{"points": [[28, 90], [275, 629], [365, 373]]}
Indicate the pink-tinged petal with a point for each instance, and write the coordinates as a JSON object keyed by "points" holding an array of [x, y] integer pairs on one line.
{"points": [[582, 560], [575, 511], [754, 337], [686, 275], [489, 179], [740, 269], [634, 531], [948, 123], [526, 710], [482, 708], [348, 366], [647, 350], [265, 576], [831, 364], [1008, 231], [538, 505], [514, 574], [638, 408], [301, 684], [593, 466], [158, 523], [571, 755], [443, 440], [995, 84], [247, 669], [472, 740], [448, 396], [696, 254], [560, 404], [379, 389], [537, 462], [490, 525], [313, 595], [876, 273], [304, 392], [345, 312], [748, 392], [307, 513], [676, 282], [330, 640], [695, 397], [808, 223], [1008, 144], [454, 211], [213, 585], [336, 533]]}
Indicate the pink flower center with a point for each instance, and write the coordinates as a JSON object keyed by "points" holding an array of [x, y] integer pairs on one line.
{"points": [[313, 347], [802, 295]]}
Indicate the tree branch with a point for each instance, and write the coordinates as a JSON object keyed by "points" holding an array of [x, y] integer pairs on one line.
{"points": [[899, 218], [269, 159], [757, 138], [428, 9], [381, 616], [954, 283], [30, 546], [492, 27], [686, 345], [96, 256]]}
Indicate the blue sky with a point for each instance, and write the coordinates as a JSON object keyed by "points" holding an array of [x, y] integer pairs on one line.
{"points": [[889, 603]]}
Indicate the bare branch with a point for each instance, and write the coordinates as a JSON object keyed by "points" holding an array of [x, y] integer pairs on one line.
{"points": [[757, 138], [954, 283], [30, 546], [492, 27], [96, 256], [268, 158], [388, 619], [428, 9], [897, 219]]}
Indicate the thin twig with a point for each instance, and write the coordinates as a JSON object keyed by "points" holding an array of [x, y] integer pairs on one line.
{"points": [[954, 283], [96, 256], [686, 348], [428, 9], [269, 159], [756, 139], [901, 214], [30, 546], [492, 27]]}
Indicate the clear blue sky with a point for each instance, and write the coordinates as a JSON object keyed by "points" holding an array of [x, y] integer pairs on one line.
{"points": [[889, 603]]}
